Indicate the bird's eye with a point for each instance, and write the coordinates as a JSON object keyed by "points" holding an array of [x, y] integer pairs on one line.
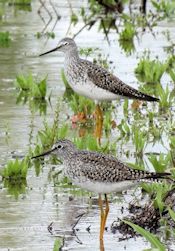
{"points": [[59, 146]]}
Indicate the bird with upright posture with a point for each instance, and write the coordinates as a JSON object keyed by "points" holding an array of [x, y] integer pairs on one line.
{"points": [[99, 173], [91, 80]]}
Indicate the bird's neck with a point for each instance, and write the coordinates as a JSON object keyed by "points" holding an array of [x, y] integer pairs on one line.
{"points": [[71, 56]]}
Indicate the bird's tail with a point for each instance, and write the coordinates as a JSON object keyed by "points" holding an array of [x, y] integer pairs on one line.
{"points": [[158, 176], [135, 94], [147, 97]]}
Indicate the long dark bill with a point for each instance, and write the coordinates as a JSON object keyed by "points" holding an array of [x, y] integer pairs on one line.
{"points": [[48, 52], [43, 154]]}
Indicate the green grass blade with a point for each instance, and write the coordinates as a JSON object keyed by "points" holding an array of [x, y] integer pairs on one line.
{"points": [[171, 213], [149, 236]]}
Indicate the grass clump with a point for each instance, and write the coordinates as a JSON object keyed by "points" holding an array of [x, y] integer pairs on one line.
{"points": [[5, 39], [166, 97], [161, 162], [139, 139], [15, 170], [126, 38], [32, 87], [150, 71], [14, 176], [171, 67], [164, 7]]}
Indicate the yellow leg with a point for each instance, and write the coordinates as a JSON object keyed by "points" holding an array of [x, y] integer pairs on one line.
{"points": [[102, 246], [106, 212], [101, 216], [99, 123]]}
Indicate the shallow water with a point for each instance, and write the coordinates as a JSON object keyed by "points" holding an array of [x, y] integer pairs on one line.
{"points": [[24, 222]]}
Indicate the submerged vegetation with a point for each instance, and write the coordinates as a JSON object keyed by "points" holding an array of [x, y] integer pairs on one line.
{"points": [[5, 39], [33, 91], [14, 176], [33, 88]]}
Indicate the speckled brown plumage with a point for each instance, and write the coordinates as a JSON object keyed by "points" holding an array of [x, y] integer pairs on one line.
{"points": [[91, 80], [92, 167], [105, 168]]}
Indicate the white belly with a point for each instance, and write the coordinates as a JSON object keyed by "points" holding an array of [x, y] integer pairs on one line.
{"points": [[93, 92], [105, 188]]}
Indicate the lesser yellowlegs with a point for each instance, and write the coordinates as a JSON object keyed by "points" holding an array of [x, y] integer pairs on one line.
{"points": [[91, 80], [99, 173]]}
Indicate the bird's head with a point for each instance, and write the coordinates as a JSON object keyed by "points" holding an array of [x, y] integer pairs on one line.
{"points": [[62, 148], [65, 45]]}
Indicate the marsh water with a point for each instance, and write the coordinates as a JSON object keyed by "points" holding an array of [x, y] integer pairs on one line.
{"points": [[24, 221]]}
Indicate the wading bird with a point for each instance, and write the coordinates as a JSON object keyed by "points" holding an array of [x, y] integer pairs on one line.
{"points": [[99, 173]]}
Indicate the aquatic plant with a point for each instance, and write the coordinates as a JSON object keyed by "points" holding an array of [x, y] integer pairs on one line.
{"points": [[74, 18], [171, 67], [153, 239], [50, 134], [16, 170], [15, 189], [58, 244], [166, 97], [24, 5], [150, 71], [37, 105], [19, 2], [171, 213], [34, 88], [125, 130], [46, 34], [80, 104], [126, 38], [161, 162], [139, 139], [88, 51], [87, 142], [166, 8], [5, 39]]}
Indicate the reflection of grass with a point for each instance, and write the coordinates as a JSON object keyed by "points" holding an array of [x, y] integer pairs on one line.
{"points": [[81, 104], [47, 34], [5, 39], [24, 5], [14, 176], [20, 2], [15, 188]]}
